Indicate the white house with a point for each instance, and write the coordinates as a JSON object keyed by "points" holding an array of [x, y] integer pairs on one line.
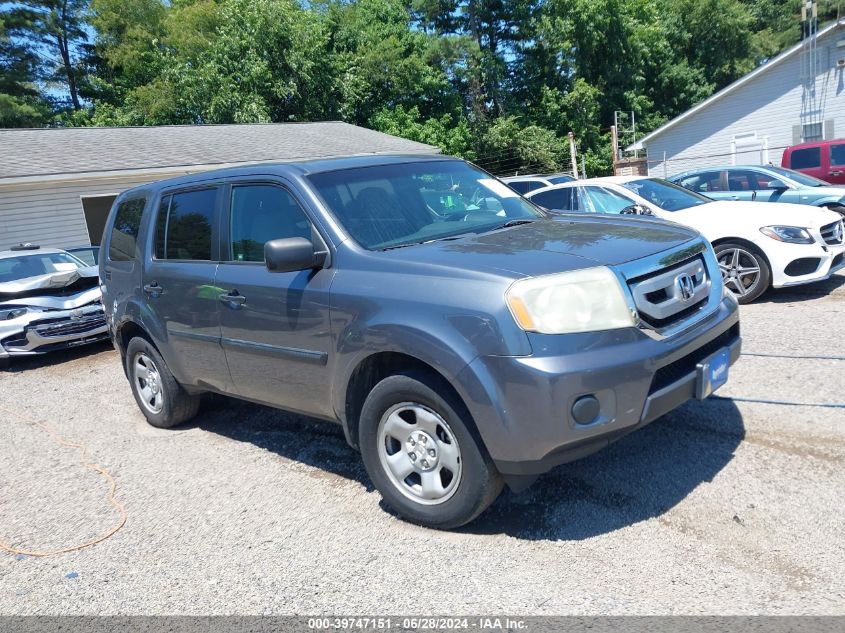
{"points": [[795, 97], [57, 185]]}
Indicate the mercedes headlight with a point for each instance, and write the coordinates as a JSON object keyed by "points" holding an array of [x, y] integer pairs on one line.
{"points": [[585, 300], [791, 234]]}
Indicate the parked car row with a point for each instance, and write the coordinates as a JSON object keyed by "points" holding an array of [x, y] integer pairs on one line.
{"points": [[758, 246]]}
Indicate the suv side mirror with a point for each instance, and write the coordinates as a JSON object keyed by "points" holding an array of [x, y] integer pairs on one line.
{"points": [[636, 209], [290, 254]]}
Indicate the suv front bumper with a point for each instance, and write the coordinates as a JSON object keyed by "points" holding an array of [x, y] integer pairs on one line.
{"points": [[522, 405]]}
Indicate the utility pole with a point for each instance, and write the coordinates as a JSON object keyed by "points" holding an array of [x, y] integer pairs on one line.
{"points": [[614, 144], [573, 155]]}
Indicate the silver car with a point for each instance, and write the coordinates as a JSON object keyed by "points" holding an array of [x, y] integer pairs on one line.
{"points": [[49, 300]]}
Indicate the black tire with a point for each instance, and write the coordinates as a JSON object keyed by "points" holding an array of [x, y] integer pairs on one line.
{"points": [[177, 405], [748, 252], [478, 483]]}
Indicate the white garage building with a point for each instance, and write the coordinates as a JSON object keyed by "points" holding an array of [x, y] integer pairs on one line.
{"points": [[795, 97], [57, 185]]}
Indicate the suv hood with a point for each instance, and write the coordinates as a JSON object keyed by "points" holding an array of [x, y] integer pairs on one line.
{"points": [[566, 242]]}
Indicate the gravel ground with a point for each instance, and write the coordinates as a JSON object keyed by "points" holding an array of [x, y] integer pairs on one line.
{"points": [[730, 506]]}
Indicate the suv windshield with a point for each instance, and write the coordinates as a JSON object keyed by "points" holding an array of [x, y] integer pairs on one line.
{"points": [[797, 176], [664, 194], [388, 206], [23, 266]]}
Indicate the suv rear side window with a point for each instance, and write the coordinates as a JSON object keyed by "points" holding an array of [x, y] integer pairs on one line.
{"points": [[124, 232], [184, 225], [261, 213], [806, 158], [837, 155]]}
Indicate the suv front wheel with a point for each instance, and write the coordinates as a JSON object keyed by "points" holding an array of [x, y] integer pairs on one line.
{"points": [[161, 399], [421, 451]]}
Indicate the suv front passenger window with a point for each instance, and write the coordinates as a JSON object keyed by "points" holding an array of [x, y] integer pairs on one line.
{"points": [[261, 213]]}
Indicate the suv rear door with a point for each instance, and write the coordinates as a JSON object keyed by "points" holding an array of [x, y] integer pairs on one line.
{"points": [[275, 325], [178, 285]]}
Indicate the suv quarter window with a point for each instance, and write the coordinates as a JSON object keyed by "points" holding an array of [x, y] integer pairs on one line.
{"points": [[185, 224], [806, 158], [124, 234], [260, 213], [837, 155]]}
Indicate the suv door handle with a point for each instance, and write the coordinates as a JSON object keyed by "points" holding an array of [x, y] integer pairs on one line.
{"points": [[233, 298], [836, 173], [153, 289]]}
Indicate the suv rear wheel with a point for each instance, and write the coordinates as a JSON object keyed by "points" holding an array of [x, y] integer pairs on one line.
{"points": [[161, 399], [421, 451]]}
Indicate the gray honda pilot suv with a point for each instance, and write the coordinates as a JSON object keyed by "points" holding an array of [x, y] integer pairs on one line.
{"points": [[463, 338]]}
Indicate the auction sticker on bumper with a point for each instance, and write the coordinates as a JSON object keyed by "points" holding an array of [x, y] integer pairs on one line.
{"points": [[713, 372]]}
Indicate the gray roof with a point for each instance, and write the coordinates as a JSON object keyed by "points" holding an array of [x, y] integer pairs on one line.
{"points": [[63, 151]]}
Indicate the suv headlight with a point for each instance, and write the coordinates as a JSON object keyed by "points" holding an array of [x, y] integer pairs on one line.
{"points": [[791, 234], [585, 300], [8, 313]]}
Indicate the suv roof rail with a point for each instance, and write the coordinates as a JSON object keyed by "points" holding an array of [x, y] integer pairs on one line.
{"points": [[25, 247]]}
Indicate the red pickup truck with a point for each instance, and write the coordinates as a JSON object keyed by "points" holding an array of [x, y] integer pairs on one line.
{"points": [[823, 159]]}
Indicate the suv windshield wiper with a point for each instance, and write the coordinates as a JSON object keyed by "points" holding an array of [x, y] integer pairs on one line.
{"points": [[510, 223]]}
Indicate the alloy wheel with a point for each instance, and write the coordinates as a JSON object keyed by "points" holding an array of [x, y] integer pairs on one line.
{"points": [[740, 270], [419, 453]]}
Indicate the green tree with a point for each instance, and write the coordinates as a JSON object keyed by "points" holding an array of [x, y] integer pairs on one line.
{"points": [[57, 29], [21, 104]]}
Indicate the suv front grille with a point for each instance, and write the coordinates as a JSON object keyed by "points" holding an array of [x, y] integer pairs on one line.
{"points": [[832, 233], [670, 295]]}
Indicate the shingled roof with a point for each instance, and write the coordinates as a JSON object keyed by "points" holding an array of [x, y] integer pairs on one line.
{"points": [[45, 153]]}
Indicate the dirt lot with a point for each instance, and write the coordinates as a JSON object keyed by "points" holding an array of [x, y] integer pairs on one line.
{"points": [[734, 505]]}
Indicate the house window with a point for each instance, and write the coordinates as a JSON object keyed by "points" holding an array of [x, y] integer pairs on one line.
{"points": [[812, 132]]}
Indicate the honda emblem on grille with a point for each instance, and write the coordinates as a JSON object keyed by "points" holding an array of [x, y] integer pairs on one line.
{"points": [[685, 286], [75, 315]]}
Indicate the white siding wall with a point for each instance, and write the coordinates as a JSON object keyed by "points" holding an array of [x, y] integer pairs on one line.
{"points": [[769, 105], [50, 214]]}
